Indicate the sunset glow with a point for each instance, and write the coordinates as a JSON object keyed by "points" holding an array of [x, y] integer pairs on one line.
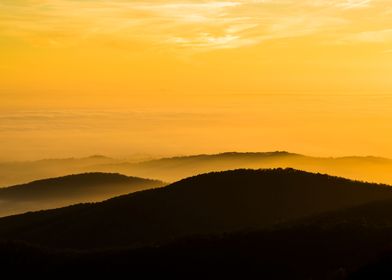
{"points": [[180, 77]]}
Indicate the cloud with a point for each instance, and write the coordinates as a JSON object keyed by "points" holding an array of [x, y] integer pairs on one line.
{"points": [[354, 4], [376, 36], [342, 4], [196, 25]]}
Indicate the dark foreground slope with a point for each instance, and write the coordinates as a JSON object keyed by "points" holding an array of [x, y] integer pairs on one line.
{"points": [[206, 204], [380, 269], [301, 251], [68, 190]]}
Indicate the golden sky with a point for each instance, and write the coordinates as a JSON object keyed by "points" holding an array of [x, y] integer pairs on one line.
{"points": [[177, 77]]}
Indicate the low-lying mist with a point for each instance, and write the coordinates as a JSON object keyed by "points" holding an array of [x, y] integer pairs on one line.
{"points": [[371, 169]]}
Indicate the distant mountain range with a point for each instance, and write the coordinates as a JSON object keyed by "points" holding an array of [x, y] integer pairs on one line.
{"points": [[207, 204], [67, 190], [371, 169]]}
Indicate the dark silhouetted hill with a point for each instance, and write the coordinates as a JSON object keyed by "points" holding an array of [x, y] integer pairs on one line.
{"points": [[207, 204], [68, 190], [298, 252]]}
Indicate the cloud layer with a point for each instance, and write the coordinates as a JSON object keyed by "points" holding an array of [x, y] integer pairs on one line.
{"points": [[194, 24]]}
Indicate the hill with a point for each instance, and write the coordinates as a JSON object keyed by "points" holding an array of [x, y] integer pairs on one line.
{"points": [[68, 190], [371, 169], [12, 173], [207, 204], [300, 251]]}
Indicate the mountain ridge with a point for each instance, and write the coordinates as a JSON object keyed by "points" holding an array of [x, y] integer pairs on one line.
{"points": [[210, 203], [171, 169], [67, 190]]}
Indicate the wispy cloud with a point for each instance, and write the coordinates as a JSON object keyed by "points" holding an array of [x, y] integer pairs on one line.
{"points": [[354, 4], [185, 24], [376, 36]]}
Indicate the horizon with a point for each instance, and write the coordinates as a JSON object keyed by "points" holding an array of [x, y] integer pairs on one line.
{"points": [[147, 157]]}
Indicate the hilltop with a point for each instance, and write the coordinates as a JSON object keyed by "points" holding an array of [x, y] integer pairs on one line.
{"points": [[211, 203], [67, 190]]}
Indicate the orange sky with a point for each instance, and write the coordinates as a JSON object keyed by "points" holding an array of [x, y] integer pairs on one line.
{"points": [[176, 77]]}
